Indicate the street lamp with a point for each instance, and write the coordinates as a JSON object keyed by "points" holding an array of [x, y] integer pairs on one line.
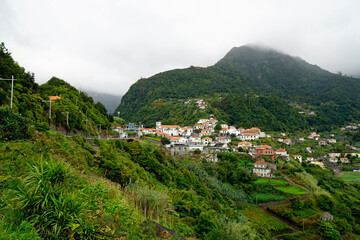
{"points": [[12, 88], [86, 120]]}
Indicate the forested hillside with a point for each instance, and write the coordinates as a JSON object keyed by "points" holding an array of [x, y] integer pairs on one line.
{"points": [[253, 71], [29, 97]]}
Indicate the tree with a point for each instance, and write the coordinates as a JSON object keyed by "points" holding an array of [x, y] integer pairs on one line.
{"points": [[165, 141], [217, 127], [328, 230]]}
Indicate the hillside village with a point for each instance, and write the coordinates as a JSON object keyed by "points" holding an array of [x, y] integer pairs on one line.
{"points": [[208, 136]]}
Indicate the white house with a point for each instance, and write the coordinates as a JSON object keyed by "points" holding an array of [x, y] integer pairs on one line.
{"points": [[309, 159], [332, 140], [172, 130], [281, 152], [186, 131], [121, 132], [206, 132], [248, 136], [203, 120], [223, 140], [245, 145], [223, 131], [148, 130], [224, 125], [333, 160], [199, 126], [298, 157], [233, 130], [344, 160], [206, 141], [334, 154], [301, 139], [280, 140], [195, 140], [261, 169], [178, 140], [287, 141]]}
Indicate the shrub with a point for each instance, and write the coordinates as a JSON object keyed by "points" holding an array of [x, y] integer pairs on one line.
{"points": [[13, 126], [152, 203], [43, 202]]}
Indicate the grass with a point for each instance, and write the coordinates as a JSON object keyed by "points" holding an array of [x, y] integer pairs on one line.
{"points": [[292, 190], [261, 219], [350, 176], [266, 197], [276, 182]]}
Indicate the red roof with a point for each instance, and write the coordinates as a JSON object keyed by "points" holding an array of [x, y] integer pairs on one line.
{"points": [[260, 162], [207, 138], [170, 126], [175, 138], [53, 98], [281, 150]]}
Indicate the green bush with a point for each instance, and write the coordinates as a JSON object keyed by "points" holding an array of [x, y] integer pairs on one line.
{"points": [[13, 126]]}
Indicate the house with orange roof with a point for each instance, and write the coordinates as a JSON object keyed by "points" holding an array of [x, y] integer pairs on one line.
{"points": [[223, 140], [287, 141], [245, 145], [309, 159], [178, 140], [172, 130], [148, 130], [281, 152], [223, 131], [265, 150], [206, 141], [162, 134], [121, 132], [261, 169], [247, 136], [332, 140], [195, 140], [333, 160], [344, 160]]}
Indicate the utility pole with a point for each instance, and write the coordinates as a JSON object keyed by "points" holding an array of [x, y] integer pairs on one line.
{"points": [[12, 88], [99, 131], [67, 118], [49, 107]]}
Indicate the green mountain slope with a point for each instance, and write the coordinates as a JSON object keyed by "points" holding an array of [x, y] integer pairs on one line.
{"points": [[29, 96], [251, 70]]}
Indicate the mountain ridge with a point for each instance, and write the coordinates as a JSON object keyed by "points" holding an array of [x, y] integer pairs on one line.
{"points": [[252, 71]]}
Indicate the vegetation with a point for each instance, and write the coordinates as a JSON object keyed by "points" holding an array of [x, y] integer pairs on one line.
{"points": [[292, 190], [28, 101], [245, 82], [350, 176]]}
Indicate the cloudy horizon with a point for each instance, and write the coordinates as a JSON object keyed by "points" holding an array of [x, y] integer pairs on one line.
{"points": [[107, 46]]}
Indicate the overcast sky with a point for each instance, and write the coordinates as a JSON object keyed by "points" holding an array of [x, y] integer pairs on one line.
{"points": [[108, 45]]}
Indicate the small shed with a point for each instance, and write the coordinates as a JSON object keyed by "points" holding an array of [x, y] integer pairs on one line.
{"points": [[327, 217]]}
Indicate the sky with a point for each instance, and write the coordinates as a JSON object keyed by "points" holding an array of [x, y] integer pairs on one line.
{"points": [[108, 45]]}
